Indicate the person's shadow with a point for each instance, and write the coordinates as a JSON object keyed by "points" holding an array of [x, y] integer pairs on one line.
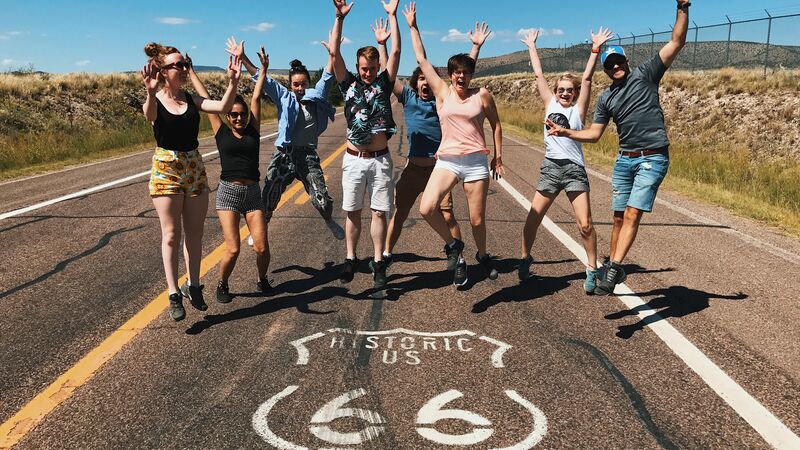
{"points": [[674, 301], [533, 288]]}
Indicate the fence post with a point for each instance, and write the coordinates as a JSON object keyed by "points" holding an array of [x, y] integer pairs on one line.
{"points": [[769, 35], [696, 33], [728, 46], [633, 47], [652, 40]]}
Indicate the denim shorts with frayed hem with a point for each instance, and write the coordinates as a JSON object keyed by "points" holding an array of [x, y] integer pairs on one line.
{"points": [[558, 175], [635, 181]]}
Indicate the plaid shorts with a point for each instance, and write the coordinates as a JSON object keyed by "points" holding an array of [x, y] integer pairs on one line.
{"points": [[177, 173], [238, 197]]}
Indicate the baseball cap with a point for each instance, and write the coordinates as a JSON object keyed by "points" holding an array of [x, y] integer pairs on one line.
{"points": [[612, 50]]}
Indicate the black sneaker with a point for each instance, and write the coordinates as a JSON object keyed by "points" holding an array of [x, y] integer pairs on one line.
{"points": [[611, 277], [524, 269], [176, 311], [487, 265], [348, 270], [195, 296], [453, 253], [460, 273], [223, 293], [263, 286], [378, 273], [388, 258]]}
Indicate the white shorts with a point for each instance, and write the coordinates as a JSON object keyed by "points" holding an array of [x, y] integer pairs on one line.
{"points": [[470, 167], [371, 176]]}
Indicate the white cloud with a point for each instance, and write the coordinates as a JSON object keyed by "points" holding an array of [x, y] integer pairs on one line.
{"points": [[173, 20], [5, 35], [8, 62], [542, 32], [261, 27], [82, 63], [345, 41], [453, 35], [428, 33], [194, 47]]}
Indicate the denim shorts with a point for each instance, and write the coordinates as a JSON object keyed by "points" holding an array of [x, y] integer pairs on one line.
{"points": [[635, 181], [558, 175]]}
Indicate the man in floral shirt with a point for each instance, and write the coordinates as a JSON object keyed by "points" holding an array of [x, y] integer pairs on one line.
{"points": [[367, 165]]}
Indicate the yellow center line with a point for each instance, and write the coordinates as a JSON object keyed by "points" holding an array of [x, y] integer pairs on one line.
{"points": [[30, 415]]}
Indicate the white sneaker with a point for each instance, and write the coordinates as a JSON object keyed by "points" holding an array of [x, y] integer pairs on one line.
{"points": [[336, 230], [250, 240]]}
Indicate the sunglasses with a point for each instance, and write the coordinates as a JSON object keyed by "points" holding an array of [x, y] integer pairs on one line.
{"points": [[567, 90], [237, 115], [611, 62], [180, 65]]}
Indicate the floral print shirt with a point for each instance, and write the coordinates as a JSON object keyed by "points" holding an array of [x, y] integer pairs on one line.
{"points": [[368, 108]]}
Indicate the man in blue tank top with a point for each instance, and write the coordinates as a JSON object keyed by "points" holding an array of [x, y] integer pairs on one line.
{"points": [[632, 102]]}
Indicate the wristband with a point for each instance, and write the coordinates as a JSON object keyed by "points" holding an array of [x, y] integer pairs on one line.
{"points": [[595, 50]]}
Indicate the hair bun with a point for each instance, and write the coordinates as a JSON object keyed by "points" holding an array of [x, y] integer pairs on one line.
{"points": [[296, 64], [152, 49]]}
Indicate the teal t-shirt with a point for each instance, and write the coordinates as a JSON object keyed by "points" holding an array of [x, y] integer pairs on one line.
{"points": [[424, 131]]}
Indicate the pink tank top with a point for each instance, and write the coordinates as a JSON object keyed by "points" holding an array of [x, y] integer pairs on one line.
{"points": [[462, 125]]}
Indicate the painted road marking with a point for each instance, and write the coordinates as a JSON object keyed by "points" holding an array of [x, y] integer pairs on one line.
{"points": [[431, 412], [763, 245], [411, 344], [774, 432], [62, 388]]}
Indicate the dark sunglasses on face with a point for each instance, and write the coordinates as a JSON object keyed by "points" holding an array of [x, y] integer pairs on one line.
{"points": [[610, 63], [567, 90], [236, 115], [180, 65]]}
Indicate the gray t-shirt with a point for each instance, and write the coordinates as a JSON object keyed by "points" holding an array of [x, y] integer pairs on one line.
{"points": [[305, 129], [635, 108]]}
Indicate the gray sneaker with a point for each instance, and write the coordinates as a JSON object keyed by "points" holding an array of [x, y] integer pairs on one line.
{"points": [[336, 229], [524, 269], [453, 253], [176, 311], [195, 296], [613, 275], [460, 273]]}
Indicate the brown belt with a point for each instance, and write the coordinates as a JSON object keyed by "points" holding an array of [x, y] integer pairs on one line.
{"points": [[640, 153], [368, 154]]}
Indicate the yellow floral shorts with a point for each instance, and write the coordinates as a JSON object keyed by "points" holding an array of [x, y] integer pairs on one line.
{"points": [[177, 173]]}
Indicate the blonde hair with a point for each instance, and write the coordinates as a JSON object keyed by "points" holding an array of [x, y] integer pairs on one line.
{"points": [[576, 83], [157, 52]]}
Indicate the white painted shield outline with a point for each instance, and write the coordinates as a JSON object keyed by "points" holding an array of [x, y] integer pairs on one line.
{"points": [[303, 354]]}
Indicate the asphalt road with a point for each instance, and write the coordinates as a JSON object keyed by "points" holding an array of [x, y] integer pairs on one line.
{"points": [[319, 365]]}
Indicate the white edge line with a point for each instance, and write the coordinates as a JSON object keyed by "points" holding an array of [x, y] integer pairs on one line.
{"points": [[774, 432], [766, 246]]}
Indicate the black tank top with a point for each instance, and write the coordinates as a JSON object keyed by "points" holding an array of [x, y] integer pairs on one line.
{"points": [[238, 156], [177, 132]]}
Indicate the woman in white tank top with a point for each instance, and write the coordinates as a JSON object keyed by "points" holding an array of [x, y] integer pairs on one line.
{"points": [[563, 166]]}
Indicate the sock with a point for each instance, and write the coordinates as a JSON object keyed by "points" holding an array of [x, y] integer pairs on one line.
{"points": [[386, 255]]}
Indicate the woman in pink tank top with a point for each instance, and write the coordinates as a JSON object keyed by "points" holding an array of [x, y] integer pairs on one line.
{"points": [[462, 152]]}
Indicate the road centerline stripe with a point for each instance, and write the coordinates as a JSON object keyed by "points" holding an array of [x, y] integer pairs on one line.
{"points": [[30, 415]]}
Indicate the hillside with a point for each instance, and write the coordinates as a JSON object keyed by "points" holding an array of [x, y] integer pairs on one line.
{"points": [[709, 55]]}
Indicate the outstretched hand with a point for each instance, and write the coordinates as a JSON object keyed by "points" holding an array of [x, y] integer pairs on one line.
{"points": [[234, 68], [233, 48], [151, 77], [683, 2], [342, 8], [264, 58], [381, 30], [498, 170], [188, 60], [481, 33], [531, 37], [390, 6], [603, 35], [410, 13]]}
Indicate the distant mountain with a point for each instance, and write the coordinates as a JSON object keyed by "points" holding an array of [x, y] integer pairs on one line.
{"points": [[199, 69], [705, 55]]}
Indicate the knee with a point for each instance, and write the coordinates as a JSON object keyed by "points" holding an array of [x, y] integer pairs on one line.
{"points": [[354, 217], [632, 215], [427, 209], [476, 220], [232, 251], [586, 229], [619, 218], [170, 237]]}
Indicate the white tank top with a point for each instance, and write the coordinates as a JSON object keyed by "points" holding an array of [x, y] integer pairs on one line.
{"points": [[557, 147]]}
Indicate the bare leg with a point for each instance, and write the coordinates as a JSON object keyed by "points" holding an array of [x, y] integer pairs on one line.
{"points": [[352, 230], [194, 217], [476, 200], [169, 209], [539, 205], [259, 229], [440, 183], [619, 218], [378, 232], [395, 228], [450, 218], [229, 220], [583, 216], [628, 233]]}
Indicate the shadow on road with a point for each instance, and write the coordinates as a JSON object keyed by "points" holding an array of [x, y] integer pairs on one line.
{"points": [[674, 301], [533, 288]]}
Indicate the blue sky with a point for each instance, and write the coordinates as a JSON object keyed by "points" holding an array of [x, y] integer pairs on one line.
{"points": [[89, 36]]}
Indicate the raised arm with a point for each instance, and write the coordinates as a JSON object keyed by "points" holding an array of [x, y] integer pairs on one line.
{"points": [[223, 106], [490, 110], [381, 30], [393, 63], [478, 38], [670, 51], [200, 88], [541, 81], [238, 50], [438, 86], [151, 76], [334, 46], [255, 102], [602, 36]]}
